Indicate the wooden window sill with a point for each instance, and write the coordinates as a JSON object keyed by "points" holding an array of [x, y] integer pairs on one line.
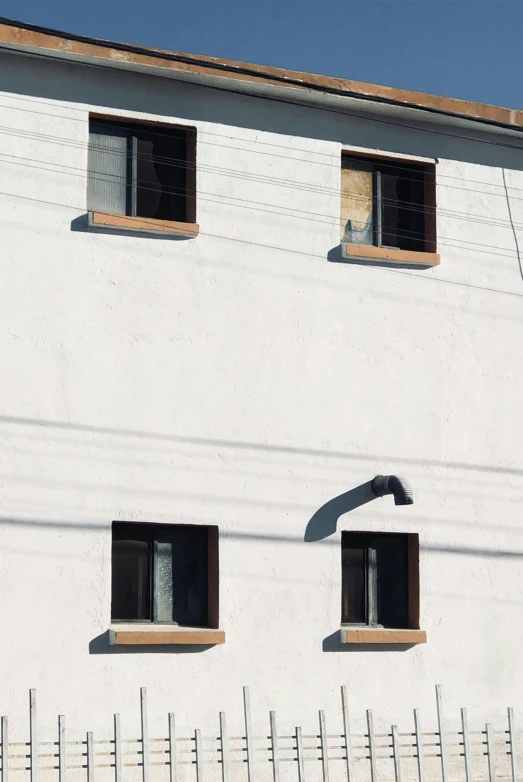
{"points": [[164, 635], [378, 635], [143, 225], [364, 252]]}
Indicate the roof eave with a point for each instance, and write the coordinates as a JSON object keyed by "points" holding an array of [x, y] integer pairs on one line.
{"points": [[245, 78]]}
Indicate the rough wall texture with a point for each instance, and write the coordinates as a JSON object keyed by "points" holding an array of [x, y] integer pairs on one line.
{"points": [[243, 379]]}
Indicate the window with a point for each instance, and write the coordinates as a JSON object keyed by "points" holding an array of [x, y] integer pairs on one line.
{"points": [[144, 171], [388, 203], [165, 573], [380, 579]]}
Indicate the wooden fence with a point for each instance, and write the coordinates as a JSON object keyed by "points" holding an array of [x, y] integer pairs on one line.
{"points": [[485, 753]]}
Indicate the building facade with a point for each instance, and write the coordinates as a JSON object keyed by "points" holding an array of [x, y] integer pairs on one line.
{"points": [[231, 297]]}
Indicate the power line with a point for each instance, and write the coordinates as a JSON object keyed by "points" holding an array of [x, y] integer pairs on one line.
{"points": [[121, 120], [295, 185], [295, 213], [133, 120], [254, 206], [292, 251], [272, 99]]}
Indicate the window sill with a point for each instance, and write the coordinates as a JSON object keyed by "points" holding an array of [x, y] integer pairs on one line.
{"points": [[378, 635], [164, 635], [363, 252], [143, 225]]}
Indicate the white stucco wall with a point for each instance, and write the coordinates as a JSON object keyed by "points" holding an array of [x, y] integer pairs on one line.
{"points": [[241, 379]]}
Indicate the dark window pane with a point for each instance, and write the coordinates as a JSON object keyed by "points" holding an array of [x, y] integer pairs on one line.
{"points": [[353, 584], [376, 594], [182, 556], [392, 580], [161, 175], [402, 198], [130, 575], [160, 573]]}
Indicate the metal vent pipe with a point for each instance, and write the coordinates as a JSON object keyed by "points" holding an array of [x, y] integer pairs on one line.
{"points": [[393, 484]]}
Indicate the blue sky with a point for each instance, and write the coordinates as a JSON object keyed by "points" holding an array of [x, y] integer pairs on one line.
{"points": [[462, 48]]}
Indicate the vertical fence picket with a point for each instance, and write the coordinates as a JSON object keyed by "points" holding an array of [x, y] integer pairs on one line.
{"points": [[275, 749], [172, 748], [90, 758], [513, 746], [441, 731], [372, 747], [224, 746], [61, 748], [248, 734], [33, 737], [346, 731], [396, 753], [145, 734], [199, 755], [324, 747], [446, 745], [5, 749], [299, 756], [419, 743], [117, 749], [466, 745], [490, 751]]}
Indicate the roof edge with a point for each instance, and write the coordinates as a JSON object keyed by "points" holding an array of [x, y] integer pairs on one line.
{"points": [[21, 36]]}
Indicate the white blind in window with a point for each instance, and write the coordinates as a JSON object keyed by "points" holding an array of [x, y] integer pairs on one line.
{"points": [[107, 169]]}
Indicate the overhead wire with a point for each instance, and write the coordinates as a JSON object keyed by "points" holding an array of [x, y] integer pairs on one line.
{"points": [[122, 120], [181, 163], [490, 124], [471, 217], [298, 185], [309, 216], [305, 253], [292, 184], [491, 250]]}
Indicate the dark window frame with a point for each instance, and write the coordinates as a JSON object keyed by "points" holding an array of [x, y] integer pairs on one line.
{"points": [[404, 165], [150, 532], [134, 128], [351, 540]]}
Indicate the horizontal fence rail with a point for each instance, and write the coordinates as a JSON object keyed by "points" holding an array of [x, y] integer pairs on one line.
{"points": [[401, 753]]}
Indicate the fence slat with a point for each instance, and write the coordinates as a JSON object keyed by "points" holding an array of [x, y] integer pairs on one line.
{"points": [[444, 743], [372, 747], [466, 745], [324, 747], [396, 753], [90, 758], [199, 755], [224, 746], [275, 748], [346, 731], [419, 743], [145, 734], [5, 749], [441, 731], [61, 748], [513, 746], [172, 747], [117, 749], [33, 737], [299, 756], [248, 734], [490, 751]]}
